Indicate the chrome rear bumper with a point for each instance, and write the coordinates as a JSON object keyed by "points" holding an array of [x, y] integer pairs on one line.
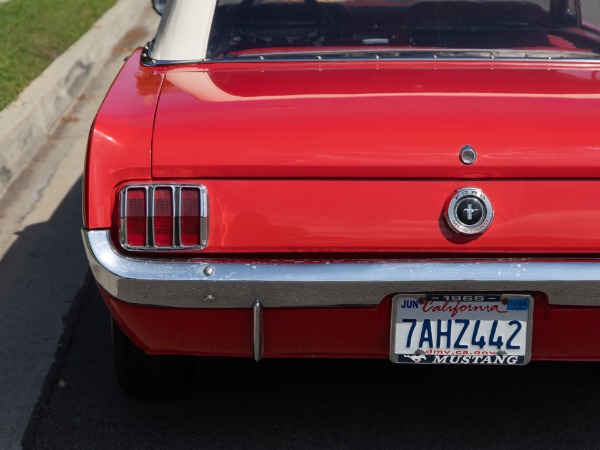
{"points": [[218, 283]]}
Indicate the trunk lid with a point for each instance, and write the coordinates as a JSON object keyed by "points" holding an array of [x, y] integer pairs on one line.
{"points": [[357, 159], [398, 120]]}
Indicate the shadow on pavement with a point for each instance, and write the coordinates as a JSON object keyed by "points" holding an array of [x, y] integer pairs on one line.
{"points": [[39, 274]]}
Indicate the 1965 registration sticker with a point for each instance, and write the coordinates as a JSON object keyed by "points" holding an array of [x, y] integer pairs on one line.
{"points": [[461, 328]]}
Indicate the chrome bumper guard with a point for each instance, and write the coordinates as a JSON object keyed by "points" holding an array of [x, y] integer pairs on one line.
{"points": [[218, 283]]}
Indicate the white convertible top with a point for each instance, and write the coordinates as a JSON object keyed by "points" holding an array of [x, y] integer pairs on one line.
{"points": [[184, 30]]}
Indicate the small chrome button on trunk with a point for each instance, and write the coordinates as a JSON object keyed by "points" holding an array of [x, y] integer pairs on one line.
{"points": [[467, 155]]}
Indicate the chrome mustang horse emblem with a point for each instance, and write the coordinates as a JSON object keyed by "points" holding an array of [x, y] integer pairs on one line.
{"points": [[469, 210]]}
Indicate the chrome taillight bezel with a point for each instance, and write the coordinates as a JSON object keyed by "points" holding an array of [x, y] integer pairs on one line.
{"points": [[150, 226]]}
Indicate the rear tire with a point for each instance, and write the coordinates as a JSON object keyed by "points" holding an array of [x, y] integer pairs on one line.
{"points": [[149, 376]]}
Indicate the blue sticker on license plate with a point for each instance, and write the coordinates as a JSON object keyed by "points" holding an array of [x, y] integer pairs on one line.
{"points": [[518, 304]]}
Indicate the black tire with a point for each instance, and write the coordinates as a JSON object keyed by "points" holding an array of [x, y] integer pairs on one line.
{"points": [[149, 376]]}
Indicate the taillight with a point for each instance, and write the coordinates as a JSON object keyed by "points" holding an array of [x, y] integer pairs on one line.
{"points": [[190, 211], [136, 226], [164, 217]]}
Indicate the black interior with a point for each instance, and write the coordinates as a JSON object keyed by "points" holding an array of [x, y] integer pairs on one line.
{"points": [[442, 24]]}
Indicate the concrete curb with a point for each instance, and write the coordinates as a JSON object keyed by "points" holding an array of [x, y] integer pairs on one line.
{"points": [[26, 123]]}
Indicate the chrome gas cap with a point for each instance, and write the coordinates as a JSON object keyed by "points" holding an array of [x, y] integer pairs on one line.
{"points": [[469, 211]]}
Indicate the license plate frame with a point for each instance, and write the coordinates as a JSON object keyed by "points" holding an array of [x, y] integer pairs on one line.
{"points": [[472, 307]]}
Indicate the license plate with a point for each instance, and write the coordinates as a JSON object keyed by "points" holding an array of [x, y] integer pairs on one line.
{"points": [[463, 328]]}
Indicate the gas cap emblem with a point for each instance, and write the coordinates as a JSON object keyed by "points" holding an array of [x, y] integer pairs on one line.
{"points": [[469, 211]]}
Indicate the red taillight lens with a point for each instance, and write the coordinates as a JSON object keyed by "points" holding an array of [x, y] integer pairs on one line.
{"points": [[163, 217], [190, 217], [135, 216]]}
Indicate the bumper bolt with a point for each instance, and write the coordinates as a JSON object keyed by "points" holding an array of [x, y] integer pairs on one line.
{"points": [[209, 270]]}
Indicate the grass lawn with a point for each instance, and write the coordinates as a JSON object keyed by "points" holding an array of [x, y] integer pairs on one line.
{"points": [[34, 32]]}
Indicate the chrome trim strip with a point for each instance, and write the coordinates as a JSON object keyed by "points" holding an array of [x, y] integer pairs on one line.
{"points": [[306, 283], [146, 58], [123, 218], [203, 216], [177, 217], [257, 331], [149, 62], [149, 212], [150, 216]]}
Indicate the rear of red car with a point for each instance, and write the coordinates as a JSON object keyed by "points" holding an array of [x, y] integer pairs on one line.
{"points": [[355, 199]]}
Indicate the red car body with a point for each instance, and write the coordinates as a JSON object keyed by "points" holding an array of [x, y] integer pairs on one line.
{"points": [[350, 164]]}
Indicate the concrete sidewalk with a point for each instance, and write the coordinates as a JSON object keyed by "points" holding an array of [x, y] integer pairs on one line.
{"points": [[26, 123]]}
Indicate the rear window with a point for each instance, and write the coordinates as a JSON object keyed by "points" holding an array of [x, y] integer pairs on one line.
{"points": [[406, 28]]}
